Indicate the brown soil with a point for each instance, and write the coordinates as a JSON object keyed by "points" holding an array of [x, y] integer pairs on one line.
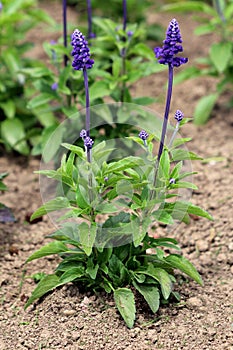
{"points": [[68, 319]]}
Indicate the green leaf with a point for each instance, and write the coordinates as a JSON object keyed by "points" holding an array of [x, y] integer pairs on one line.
{"points": [[144, 101], [163, 217], [52, 205], [182, 154], [143, 50], [204, 108], [220, 54], [98, 89], [195, 210], [13, 133], [179, 262], [77, 150], [55, 247], [51, 139], [151, 295], [92, 269], [40, 100], [123, 164], [125, 303], [3, 187], [185, 184], [9, 108], [71, 274], [164, 165], [37, 72], [162, 277], [87, 235], [189, 6], [116, 66], [47, 283]]}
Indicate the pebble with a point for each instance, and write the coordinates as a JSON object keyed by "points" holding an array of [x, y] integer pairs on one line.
{"points": [[194, 302], [202, 245], [206, 259], [69, 312], [75, 336], [232, 269], [221, 257], [152, 335], [230, 246]]}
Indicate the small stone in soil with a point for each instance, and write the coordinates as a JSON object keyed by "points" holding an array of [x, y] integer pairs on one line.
{"points": [[69, 312], [194, 302]]}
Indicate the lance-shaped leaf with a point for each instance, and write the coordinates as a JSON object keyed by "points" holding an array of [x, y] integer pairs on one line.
{"points": [[52, 205], [125, 303]]}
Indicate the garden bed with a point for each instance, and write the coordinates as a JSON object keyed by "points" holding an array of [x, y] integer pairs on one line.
{"points": [[67, 318]]}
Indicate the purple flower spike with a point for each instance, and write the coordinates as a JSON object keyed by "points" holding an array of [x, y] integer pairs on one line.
{"points": [[143, 135], [179, 115], [83, 134], [172, 181], [54, 86], [92, 35], [171, 47], [80, 51], [88, 143], [1, 6]]}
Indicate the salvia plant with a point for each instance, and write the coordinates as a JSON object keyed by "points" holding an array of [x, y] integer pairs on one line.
{"points": [[217, 19], [109, 205]]}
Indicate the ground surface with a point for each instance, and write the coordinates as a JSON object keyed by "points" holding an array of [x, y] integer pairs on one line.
{"points": [[67, 319]]}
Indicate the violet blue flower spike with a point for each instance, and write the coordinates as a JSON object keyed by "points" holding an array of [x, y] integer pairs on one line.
{"points": [[83, 134], [88, 143], [54, 86], [143, 135], [179, 115], [81, 51], [172, 46]]}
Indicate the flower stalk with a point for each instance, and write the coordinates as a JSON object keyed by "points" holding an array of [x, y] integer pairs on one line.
{"points": [[64, 8], [167, 55], [123, 51], [90, 34]]}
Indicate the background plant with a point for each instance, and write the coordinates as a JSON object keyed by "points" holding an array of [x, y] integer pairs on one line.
{"points": [[18, 125], [216, 18]]}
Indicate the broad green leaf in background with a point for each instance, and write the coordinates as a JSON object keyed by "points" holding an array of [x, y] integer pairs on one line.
{"points": [[220, 54], [8, 108], [143, 50], [13, 133], [40, 100], [204, 108], [98, 89], [125, 303]]}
